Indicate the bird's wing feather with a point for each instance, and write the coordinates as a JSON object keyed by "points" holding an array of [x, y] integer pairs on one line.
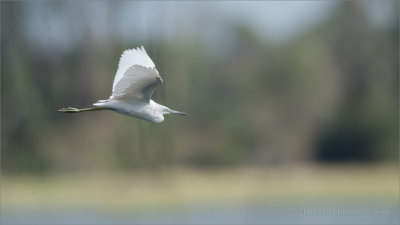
{"points": [[138, 83], [130, 58]]}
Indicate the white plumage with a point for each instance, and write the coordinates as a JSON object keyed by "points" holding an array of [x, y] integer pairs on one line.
{"points": [[138, 82], [129, 58], [135, 82]]}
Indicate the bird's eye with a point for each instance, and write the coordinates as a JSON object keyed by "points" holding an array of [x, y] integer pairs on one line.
{"points": [[165, 110]]}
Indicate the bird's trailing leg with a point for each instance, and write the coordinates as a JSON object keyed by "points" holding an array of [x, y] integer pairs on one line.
{"points": [[75, 110]]}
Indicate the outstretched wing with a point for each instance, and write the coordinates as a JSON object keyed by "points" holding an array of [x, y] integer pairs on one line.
{"points": [[136, 77], [138, 83]]}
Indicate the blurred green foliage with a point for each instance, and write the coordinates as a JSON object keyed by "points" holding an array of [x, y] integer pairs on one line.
{"points": [[329, 94]]}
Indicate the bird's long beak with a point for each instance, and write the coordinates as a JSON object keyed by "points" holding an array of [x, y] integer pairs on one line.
{"points": [[176, 112]]}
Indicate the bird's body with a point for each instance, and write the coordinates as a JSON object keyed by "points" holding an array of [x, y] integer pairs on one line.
{"points": [[134, 84], [146, 111]]}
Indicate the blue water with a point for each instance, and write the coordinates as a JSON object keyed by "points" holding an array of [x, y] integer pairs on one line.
{"points": [[228, 214]]}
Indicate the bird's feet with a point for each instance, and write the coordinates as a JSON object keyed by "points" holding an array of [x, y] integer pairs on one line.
{"points": [[68, 110]]}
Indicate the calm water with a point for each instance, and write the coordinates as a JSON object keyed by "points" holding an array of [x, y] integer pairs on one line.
{"points": [[223, 214]]}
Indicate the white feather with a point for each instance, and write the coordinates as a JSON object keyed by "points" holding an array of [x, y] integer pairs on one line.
{"points": [[138, 84], [130, 58]]}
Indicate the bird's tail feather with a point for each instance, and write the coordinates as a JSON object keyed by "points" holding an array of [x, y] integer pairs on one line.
{"points": [[75, 110]]}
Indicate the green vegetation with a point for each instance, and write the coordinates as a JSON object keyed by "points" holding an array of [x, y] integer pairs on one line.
{"points": [[327, 95]]}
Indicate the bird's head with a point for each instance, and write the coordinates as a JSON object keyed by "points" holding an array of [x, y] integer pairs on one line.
{"points": [[163, 110], [166, 110]]}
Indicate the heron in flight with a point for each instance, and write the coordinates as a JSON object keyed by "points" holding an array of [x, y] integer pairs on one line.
{"points": [[135, 82]]}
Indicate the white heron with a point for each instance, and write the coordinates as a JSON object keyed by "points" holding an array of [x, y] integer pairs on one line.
{"points": [[135, 82]]}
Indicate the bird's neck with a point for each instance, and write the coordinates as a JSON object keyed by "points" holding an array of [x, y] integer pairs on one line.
{"points": [[154, 104]]}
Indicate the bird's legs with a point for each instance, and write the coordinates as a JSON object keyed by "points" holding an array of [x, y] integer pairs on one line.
{"points": [[75, 110]]}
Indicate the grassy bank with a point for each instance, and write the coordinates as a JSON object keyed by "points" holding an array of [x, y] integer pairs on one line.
{"points": [[180, 187]]}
